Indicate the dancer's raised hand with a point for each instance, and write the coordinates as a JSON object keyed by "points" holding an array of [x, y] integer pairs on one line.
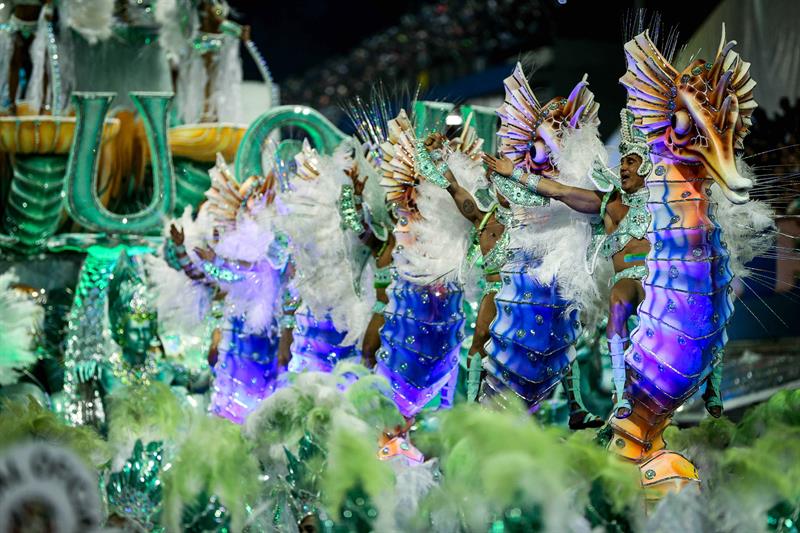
{"points": [[502, 165], [176, 234]]}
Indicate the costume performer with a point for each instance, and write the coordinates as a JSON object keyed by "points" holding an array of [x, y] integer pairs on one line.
{"points": [[333, 314], [242, 265], [463, 178], [622, 208], [364, 210], [29, 71], [202, 45], [693, 121], [545, 284], [377, 236], [424, 316]]}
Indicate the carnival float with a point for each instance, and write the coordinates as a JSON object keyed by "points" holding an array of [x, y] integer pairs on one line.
{"points": [[408, 315]]}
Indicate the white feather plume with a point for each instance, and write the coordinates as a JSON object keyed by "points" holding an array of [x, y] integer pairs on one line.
{"points": [[226, 86], [197, 232], [223, 103], [579, 148], [192, 80], [93, 19], [181, 303], [748, 229], [19, 319], [557, 234], [174, 39], [469, 174], [248, 241], [257, 296], [35, 91], [413, 482], [322, 251], [434, 247]]}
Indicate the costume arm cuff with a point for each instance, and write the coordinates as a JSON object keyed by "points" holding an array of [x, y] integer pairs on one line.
{"points": [[516, 193], [428, 169], [218, 270], [348, 210]]}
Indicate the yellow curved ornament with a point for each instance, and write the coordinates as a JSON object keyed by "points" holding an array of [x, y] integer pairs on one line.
{"points": [[202, 142], [43, 134], [30, 134], [39, 146]]}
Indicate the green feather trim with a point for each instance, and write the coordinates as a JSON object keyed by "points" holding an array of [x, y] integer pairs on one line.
{"points": [[213, 459], [495, 462], [20, 318], [353, 464], [30, 421], [371, 398], [147, 412]]}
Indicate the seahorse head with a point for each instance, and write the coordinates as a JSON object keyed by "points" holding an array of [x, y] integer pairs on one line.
{"points": [[696, 116], [530, 133]]}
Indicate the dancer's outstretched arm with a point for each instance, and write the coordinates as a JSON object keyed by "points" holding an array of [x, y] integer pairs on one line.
{"points": [[463, 199], [581, 200]]}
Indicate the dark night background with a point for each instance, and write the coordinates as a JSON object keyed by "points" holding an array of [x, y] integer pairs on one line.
{"points": [[322, 51]]}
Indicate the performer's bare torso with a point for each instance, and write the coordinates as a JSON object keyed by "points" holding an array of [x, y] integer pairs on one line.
{"points": [[613, 216], [383, 259], [492, 232]]}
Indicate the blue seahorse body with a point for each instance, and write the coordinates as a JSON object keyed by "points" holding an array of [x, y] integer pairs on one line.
{"points": [[245, 373], [687, 304], [317, 344], [421, 340], [531, 338]]}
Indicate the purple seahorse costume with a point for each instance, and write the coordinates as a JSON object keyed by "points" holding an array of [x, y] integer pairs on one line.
{"points": [[530, 348], [421, 341]]}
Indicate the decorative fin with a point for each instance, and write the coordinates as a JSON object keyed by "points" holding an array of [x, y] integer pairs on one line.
{"points": [[397, 166], [650, 81], [307, 162], [468, 142], [521, 115]]}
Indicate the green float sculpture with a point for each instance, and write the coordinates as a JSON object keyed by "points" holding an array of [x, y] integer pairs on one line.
{"points": [[80, 182]]}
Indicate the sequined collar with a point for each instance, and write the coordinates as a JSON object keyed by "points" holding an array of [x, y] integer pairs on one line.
{"points": [[635, 199]]}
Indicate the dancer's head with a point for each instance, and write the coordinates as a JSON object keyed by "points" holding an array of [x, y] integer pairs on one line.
{"points": [[630, 177]]}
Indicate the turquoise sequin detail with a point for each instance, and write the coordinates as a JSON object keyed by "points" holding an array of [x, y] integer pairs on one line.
{"points": [[518, 194], [634, 272], [220, 273], [383, 277], [348, 212], [633, 226], [497, 256], [428, 169], [492, 286]]}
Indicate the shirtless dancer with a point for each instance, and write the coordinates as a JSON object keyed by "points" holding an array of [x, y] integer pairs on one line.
{"points": [[380, 248], [489, 233], [626, 220]]}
